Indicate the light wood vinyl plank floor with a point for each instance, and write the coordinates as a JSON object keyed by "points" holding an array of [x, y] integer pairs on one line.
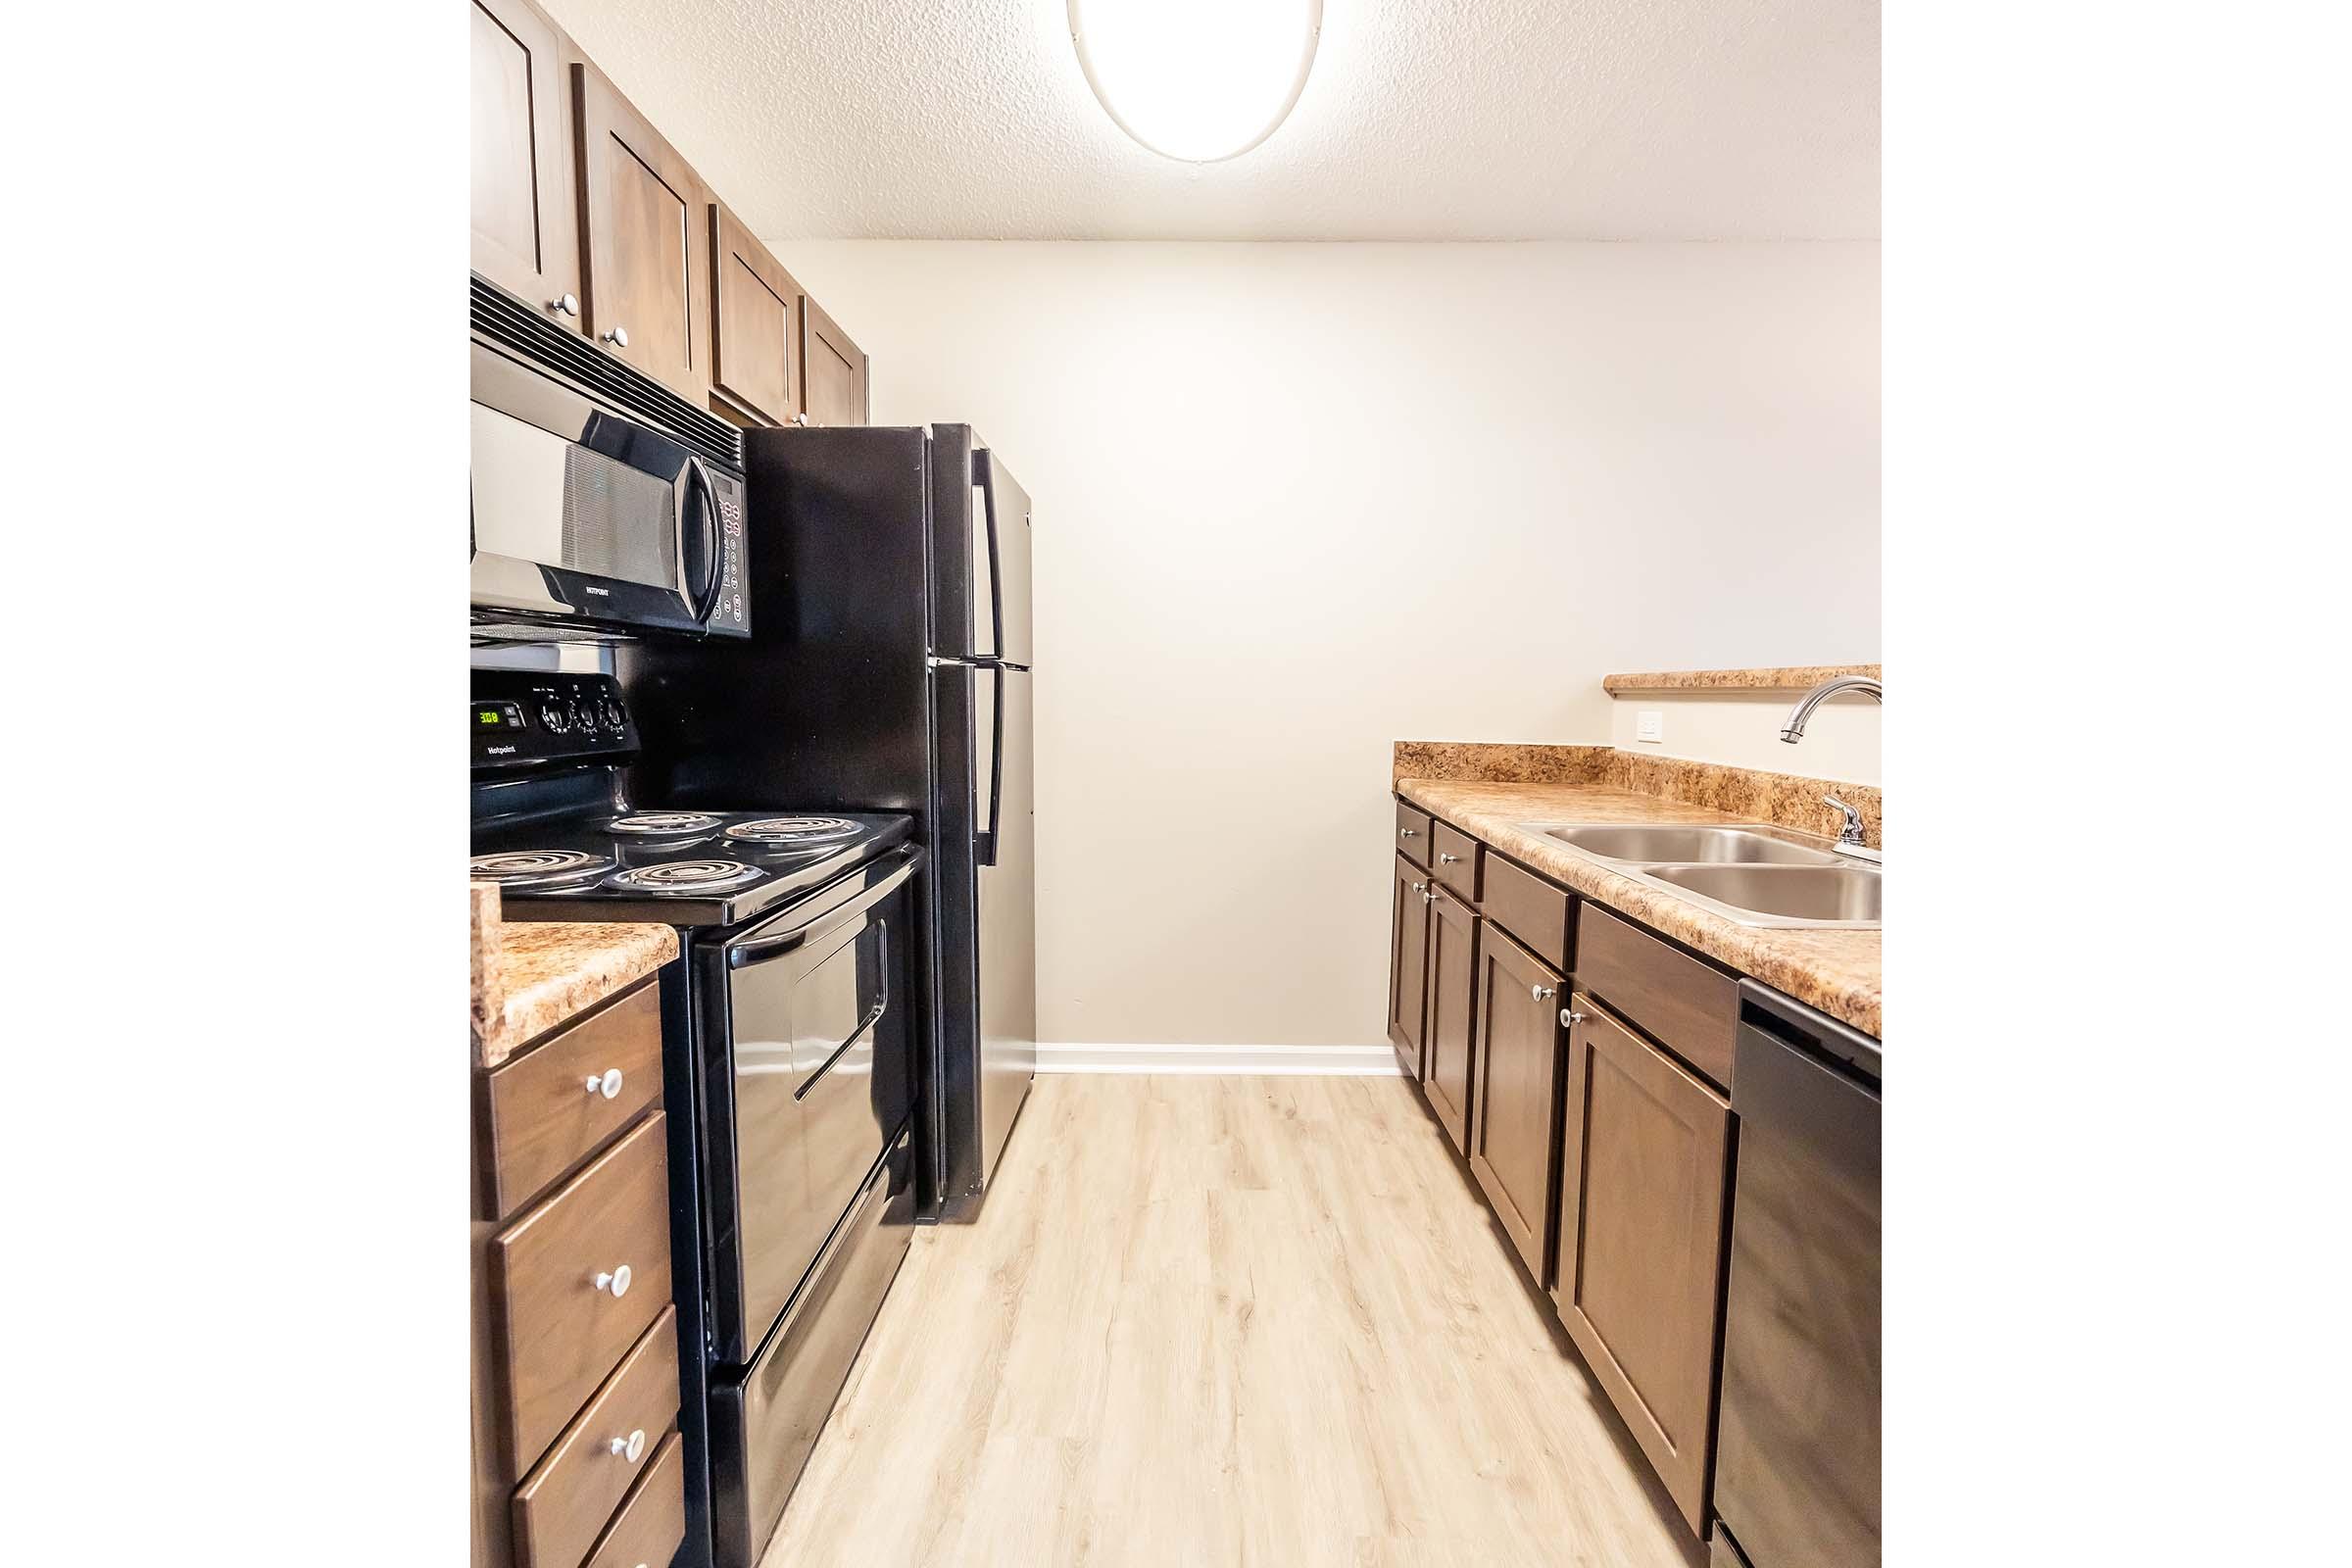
{"points": [[1205, 1321]]}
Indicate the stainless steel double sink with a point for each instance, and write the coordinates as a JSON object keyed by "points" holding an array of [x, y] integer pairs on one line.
{"points": [[1749, 872]]}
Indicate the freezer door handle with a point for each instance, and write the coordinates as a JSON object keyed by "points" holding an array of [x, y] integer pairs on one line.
{"points": [[984, 843], [984, 473]]}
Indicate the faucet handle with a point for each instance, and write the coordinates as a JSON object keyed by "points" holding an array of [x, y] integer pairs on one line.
{"points": [[1851, 833]]}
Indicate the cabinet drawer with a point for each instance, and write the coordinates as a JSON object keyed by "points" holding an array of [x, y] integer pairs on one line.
{"points": [[558, 1333], [1531, 909], [568, 1498], [549, 1109], [1412, 833], [1457, 860], [1687, 1003], [652, 1523]]}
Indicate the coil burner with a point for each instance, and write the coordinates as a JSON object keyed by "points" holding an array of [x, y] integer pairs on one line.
{"points": [[662, 824], [686, 877], [795, 832], [531, 869]]}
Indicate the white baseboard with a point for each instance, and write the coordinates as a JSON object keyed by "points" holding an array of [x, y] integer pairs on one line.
{"points": [[1336, 1060]]}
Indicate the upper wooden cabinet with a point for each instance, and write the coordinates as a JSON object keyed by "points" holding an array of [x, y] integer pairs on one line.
{"points": [[525, 237], [645, 221], [1645, 1170], [754, 339], [832, 370]]}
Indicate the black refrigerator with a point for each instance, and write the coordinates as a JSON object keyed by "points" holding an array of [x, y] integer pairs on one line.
{"points": [[888, 669]]}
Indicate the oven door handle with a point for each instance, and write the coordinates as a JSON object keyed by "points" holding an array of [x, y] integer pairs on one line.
{"points": [[758, 950]]}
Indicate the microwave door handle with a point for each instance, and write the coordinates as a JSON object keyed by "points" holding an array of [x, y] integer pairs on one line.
{"points": [[702, 598], [985, 471]]}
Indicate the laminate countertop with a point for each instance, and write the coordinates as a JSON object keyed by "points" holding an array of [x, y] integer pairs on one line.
{"points": [[531, 975], [1836, 971]]}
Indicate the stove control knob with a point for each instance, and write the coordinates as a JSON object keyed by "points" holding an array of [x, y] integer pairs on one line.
{"points": [[584, 716], [610, 713], [555, 717]]}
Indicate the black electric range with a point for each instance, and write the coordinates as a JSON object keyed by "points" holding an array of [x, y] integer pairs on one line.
{"points": [[793, 1025]]}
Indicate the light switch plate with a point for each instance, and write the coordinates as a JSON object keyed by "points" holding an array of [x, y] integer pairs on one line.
{"points": [[1649, 725]]}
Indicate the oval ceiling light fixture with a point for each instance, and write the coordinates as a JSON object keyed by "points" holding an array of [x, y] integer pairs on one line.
{"points": [[1199, 80]]}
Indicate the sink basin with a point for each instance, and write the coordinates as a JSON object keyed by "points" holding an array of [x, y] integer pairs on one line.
{"points": [[1650, 844], [1809, 894]]}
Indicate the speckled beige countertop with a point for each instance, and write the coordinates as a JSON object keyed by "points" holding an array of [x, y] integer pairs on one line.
{"points": [[530, 975], [1837, 971], [1776, 678]]}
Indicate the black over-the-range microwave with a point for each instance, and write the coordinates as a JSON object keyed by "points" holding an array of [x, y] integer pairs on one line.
{"points": [[592, 524]]}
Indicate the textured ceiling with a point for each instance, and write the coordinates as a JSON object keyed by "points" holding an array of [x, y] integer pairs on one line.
{"points": [[1423, 120]]}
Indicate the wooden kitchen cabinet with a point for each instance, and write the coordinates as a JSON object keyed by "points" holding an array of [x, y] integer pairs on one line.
{"points": [[833, 369], [754, 339], [1644, 1178], [645, 219], [1517, 1077], [525, 234], [1449, 1039], [1408, 964]]}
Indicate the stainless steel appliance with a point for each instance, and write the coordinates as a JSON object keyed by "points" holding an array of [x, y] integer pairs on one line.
{"points": [[889, 578], [593, 519], [793, 1029], [1796, 1462]]}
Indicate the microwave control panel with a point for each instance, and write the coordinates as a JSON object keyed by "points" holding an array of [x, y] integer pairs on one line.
{"points": [[523, 716], [728, 616]]}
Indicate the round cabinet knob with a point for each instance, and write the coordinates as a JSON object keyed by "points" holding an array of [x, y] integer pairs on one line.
{"points": [[617, 1282], [618, 337], [1542, 993], [1408, 833], [567, 304], [1570, 1017], [800, 418], [630, 1447], [1449, 859], [607, 1084], [1428, 895]]}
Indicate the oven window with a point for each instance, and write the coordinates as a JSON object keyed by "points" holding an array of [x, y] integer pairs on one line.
{"points": [[555, 503]]}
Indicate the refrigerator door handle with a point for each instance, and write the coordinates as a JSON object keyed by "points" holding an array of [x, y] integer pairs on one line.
{"points": [[985, 474], [985, 842]]}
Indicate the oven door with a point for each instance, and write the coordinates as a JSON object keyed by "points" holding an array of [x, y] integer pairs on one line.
{"points": [[805, 1086], [583, 517]]}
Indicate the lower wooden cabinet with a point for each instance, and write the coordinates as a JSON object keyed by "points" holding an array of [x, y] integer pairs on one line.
{"points": [[1451, 1039], [1517, 1074], [1409, 900], [1644, 1178]]}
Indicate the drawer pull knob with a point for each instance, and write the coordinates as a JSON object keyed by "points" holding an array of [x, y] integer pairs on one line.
{"points": [[1570, 1017], [1428, 895], [606, 1083], [630, 1447], [1449, 859], [617, 1282], [564, 305], [1407, 833], [1542, 993], [618, 337]]}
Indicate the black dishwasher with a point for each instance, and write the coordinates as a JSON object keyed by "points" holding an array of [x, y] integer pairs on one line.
{"points": [[1796, 1465]]}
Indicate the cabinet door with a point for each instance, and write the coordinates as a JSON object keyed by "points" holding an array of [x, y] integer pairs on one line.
{"points": [[1518, 1079], [1452, 985], [832, 370], [526, 238], [754, 353], [1645, 1174], [1409, 963], [643, 241]]}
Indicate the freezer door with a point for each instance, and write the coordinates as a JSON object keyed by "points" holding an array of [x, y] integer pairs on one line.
{"points": [[1000, 564], [1006, 912]]}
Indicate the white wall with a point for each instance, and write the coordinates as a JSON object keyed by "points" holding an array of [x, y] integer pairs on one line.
{"points": [[1743, 729], [1296, 502]]}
